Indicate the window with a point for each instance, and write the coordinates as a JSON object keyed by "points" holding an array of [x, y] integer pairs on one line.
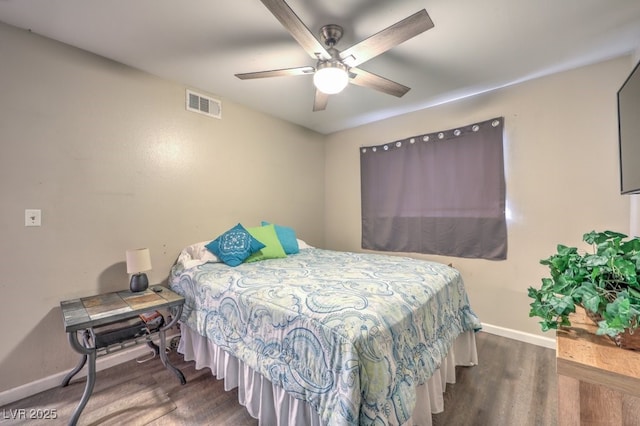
{"points": [[441, 193]]}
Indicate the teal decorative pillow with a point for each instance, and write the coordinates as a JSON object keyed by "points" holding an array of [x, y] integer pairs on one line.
{"points": [[234, 246], [287, 237], [267, 236]]}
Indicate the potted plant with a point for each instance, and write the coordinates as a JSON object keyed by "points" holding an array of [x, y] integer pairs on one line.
{"points": [[605, 283]]}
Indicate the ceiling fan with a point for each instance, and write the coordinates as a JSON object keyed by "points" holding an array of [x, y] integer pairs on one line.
{"points": [[335, 69]]}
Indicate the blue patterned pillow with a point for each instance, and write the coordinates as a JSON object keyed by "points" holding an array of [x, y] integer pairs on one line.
{"points": [[287, 237], [234, 246]]}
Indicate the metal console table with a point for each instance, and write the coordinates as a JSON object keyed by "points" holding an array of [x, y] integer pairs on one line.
{"points": [[82, 315]]}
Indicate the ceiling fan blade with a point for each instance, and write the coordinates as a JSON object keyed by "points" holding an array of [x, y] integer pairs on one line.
{"points": [[320, 101], [277, 73], [390, 37], [287, 17], [373, 81]]}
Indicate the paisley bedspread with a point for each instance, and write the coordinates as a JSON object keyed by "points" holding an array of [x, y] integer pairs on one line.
{"points": [[352, 334]]}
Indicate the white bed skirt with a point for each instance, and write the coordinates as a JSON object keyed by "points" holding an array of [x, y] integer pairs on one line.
{"points": [[272, 406]]}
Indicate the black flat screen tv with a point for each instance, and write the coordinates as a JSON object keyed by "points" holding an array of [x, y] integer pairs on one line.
{"points": [[629, 133]]}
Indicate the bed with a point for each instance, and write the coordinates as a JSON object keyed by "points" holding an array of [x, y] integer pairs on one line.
{"points": [[323, 337]]}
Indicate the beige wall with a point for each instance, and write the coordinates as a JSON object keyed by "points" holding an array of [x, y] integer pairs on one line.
{"points": [[114, 161], [561, 171]]}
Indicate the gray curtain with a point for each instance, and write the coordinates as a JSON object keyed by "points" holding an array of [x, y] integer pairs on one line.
{"points": [[439, 193]]}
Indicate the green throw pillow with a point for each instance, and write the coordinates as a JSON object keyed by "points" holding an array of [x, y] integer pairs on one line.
{"points": [[267, 236]]}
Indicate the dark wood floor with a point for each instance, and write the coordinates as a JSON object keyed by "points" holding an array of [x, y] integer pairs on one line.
{"points": [[515, 384]]}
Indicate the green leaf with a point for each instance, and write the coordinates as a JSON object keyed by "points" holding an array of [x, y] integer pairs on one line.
{"points": [[564, 321], [614, 235], [625, 268], [549, 325], [631, 246], [634, 293], [591, 237], [564, 284], [595, 260], [590, 297], [547, 284], [559, 263], [564, 251], [605, 328], [563, 305], [533, 292]]}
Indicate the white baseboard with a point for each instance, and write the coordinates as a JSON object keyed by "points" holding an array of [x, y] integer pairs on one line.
{"points": [[521, 336], [50, 382]]}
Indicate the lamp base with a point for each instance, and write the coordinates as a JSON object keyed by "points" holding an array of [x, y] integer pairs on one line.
{"points": [[139, 282]]}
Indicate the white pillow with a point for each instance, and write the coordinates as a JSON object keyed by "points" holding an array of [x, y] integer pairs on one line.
{"points": [[302, 245], [196, 254]]}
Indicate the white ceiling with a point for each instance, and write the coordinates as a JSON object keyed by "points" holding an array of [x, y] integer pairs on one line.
{"points": [[475, 46]]}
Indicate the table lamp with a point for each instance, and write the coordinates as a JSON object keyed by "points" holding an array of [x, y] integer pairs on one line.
{"points": [[138, 261]]}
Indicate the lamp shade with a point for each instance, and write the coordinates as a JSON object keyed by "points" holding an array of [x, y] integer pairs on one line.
{"points": [[331, 77], [138, 260]]}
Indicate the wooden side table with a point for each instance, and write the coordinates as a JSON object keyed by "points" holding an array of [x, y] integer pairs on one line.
{"points": [[598, 382], [81, 316]]}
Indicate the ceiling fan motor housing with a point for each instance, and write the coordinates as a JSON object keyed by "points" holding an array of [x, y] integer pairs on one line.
{"points": [[331, 34]]}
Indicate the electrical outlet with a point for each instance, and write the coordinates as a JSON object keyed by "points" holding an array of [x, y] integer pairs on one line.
{"points": [[32, 217]]}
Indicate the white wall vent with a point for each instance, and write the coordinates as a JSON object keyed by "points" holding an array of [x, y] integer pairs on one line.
{"points": [[204, 104]]}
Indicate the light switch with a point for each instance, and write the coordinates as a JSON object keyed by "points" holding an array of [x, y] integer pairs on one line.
{"points": [[32, 217]]}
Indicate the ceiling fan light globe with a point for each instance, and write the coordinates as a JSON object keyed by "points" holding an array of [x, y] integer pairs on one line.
{"points": [[331, 79]]}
